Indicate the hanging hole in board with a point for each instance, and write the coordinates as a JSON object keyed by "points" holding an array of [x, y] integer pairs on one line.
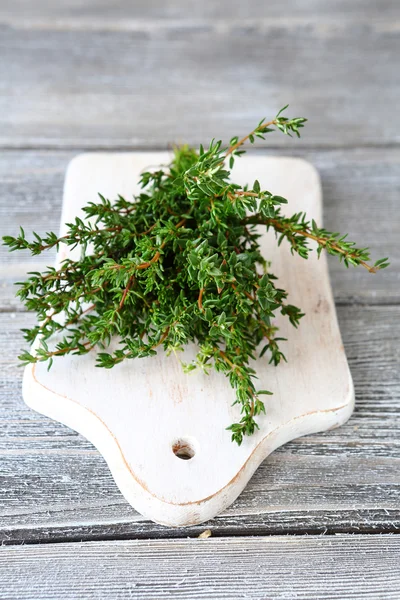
{"points": [[183, 449]]}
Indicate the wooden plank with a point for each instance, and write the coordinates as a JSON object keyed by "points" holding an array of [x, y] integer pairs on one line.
{"points": [[361, 197], [154, 83], [73, 13], [341, 567], [54, 485]]}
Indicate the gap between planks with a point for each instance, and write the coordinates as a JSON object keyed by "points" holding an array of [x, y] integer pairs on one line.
{"points": [[226, 527], [156, 147]]}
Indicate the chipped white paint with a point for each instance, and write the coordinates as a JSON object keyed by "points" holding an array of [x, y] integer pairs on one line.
{"points": [[136, 412]]}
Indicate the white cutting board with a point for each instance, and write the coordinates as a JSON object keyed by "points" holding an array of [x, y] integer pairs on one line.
{"points": [[142, 412]]}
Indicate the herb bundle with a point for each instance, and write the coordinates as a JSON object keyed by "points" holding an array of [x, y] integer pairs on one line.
{"points": [[179, 263]]}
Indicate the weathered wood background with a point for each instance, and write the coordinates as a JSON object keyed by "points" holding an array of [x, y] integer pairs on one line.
{"points": [[134, 75]]}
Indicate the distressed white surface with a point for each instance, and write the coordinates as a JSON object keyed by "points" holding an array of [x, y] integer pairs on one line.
{"points": [[136, 411], [345, 567]]}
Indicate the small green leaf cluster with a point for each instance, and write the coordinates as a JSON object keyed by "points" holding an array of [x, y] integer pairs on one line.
{"points": [[178, 263]]}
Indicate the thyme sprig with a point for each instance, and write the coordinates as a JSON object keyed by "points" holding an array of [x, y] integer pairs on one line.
{"points": [[178, 263]]}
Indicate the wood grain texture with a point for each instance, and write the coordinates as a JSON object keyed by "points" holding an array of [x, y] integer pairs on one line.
{"points": [[357, 186], [122, 12], [55, 486], [96, 74], [322, 568], [96, 84]]}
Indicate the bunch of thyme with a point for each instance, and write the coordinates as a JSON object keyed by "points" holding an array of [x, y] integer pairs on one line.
{"points": [[178, 263]]}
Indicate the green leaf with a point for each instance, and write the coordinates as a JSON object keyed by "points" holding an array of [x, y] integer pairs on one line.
{"points": [[281, 111]]}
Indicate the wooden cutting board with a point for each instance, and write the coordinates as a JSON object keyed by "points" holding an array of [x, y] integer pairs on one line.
{"points": [[162, 432]]}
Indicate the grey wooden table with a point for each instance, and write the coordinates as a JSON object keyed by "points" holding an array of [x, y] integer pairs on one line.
{"points": [[319, 518]]}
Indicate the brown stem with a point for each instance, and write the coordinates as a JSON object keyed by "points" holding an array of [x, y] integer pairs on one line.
{"points": [[155, 258], [148, 230], [64, 350], [80, 315], [68, 237], [246, 137], [162, 338], [150, 262], [199, 300], [245, 193], [235, 368], [244, 292], [126, 290], [266, 331], [321, 241]]}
